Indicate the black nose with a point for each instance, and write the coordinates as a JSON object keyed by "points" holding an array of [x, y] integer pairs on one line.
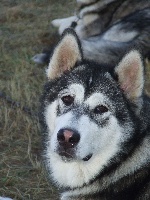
{"points": [[68, 138]]}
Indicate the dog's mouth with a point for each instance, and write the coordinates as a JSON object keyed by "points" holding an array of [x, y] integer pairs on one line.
{"points": [[68, 156]]}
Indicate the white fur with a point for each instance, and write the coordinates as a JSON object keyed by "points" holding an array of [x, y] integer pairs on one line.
{"points": [[98, 99], [64, 23], [91, 8], [75, 90], [141, 155], [50, 115], [76, 173], [88, 19], [140, 158], [95, 99], [115, 34], [78, 91], [85, 1], [93, 139], [56, 123]]}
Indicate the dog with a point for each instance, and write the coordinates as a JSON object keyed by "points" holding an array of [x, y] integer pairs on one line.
{"points": [[109, 46], [93, 17], [95, 121]]}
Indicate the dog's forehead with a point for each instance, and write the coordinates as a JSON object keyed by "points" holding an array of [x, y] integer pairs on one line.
{"points": [[90, 88], [88, 77], [93, 79]]}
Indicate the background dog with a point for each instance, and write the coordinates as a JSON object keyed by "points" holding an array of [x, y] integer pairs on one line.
{"points": [[107, 29]]}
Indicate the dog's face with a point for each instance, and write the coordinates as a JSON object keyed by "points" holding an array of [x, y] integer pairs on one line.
{"points": [[87, 112]]}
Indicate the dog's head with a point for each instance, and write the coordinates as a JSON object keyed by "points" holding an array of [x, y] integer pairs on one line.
{"points": [[89, 111]]}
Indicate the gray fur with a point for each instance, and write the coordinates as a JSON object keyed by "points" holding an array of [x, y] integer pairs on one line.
{"points": [[107, 109], [111, 43]]}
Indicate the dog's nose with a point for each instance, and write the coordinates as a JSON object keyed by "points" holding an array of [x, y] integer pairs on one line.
{"points": [[68, 138]]}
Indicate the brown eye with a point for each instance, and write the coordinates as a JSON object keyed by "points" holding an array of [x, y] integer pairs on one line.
{"points": [[67, 100], [100, 109]]}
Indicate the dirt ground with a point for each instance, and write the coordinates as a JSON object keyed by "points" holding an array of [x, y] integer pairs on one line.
{"points": [[24, 30]]}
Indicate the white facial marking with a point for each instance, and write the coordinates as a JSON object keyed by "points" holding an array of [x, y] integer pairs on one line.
{"points": [[50, 115], [95, 99], [78, 172], [94, 139], [75, 90], [78, 91], [54, 122]]}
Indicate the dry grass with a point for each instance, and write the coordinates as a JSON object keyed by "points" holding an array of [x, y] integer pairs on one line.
{"points": [[25, 27]]}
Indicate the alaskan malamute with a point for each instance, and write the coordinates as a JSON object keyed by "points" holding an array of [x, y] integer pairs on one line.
{"points": [[110, 45], [96, 125]]}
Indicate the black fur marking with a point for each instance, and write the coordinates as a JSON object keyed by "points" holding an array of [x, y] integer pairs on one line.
{"points": [[104, 80]]}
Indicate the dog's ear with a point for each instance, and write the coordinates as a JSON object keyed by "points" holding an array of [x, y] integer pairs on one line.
{"points": [[130, 72], [65, 55]]}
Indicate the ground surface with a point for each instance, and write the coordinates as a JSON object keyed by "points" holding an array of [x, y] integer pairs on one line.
{"points": [[24, 30]]}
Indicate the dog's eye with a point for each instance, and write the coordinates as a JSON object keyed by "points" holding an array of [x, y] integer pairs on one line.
{"points": [[67, 100], [100, 109]]}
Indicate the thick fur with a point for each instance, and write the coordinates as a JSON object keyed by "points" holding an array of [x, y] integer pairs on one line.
{"points": [[111, 114], [111, 44], [130, 32], [93, 17]]}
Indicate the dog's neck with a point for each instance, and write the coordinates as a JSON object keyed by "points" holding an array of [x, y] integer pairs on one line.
{"points": [[127, 168]]}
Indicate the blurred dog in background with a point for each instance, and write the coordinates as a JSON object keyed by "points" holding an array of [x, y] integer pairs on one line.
{"points": [[107, 29]]}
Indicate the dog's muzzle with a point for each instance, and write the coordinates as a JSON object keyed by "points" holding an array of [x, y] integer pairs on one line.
{"points": [[68, 140]]}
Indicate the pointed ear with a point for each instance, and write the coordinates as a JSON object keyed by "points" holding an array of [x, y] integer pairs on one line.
{"points": [[65, 55], [130, 73]]}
